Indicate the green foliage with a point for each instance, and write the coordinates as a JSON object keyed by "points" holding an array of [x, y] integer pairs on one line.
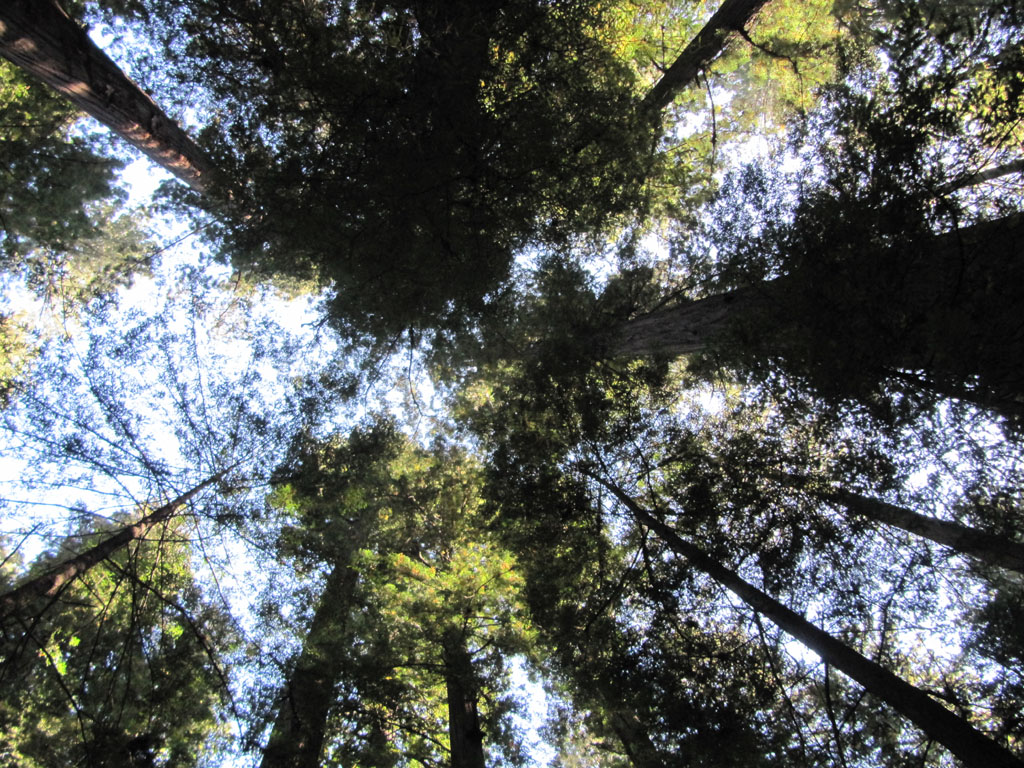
{"points": [[52, 180], [119, 671], [423, 573], [15, 354], [402, 154], [880, 277]]}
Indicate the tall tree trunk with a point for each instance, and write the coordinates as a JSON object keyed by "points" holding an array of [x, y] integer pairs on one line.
{"points": [[634, 737], [986, 547], [688, 328], [464, 732], [951, 324], [709, 43], [297, 737], [39, 37], [974, 749], [981, 545], [991, 173], [58, 577]]}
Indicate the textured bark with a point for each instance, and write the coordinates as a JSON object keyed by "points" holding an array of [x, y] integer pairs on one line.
{"points": [[943, 315], [989, 548], [39, 37], [297, 738], [50, 583], [709, 43], [636, 742], [688, 328], [974, 749], [464, 732]]}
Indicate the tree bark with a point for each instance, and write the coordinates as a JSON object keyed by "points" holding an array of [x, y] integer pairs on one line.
{"points": [[634, 738], [297, 737], [39, 37], [709, 43], [50, 583], [974, 749], [950, 323], [986, 547], [687, 328], [464, 732]]}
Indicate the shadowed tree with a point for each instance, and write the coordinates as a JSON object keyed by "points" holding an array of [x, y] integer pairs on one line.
{"points": [[335, 492], [969, 745]]}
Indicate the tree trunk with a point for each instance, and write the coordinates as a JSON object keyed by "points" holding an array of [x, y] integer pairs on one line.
{"points": [[992, 173], [50, 583], [709, 43], [297, 737], [948, 321], [39, 37], [687, 328], [974, 749], [986, 547], [695, 326], [464, 732], [636, 742]]}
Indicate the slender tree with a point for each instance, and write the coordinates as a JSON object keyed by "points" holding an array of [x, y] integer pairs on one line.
{"points": [[969, 745], [59, 576], [730, 19], [995, 550]]}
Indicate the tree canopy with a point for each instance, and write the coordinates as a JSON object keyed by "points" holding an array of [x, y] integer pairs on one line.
{"points": [[656, 363]]}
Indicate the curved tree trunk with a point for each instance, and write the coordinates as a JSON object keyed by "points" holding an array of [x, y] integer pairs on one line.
{"points": [[58, 577], [39, 37], [974, 749]]}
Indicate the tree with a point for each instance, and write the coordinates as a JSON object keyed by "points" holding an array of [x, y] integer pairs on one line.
{"points": [[878, 276], [336, 491], [551, 410], [51, 179], [730, 18], [43, 40], [940, 724], [402, 156], [488, 196], [939, 282], [63, 229], [988, 547], [659, 682], [127, 673], [50, 585], [378, 511]]}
